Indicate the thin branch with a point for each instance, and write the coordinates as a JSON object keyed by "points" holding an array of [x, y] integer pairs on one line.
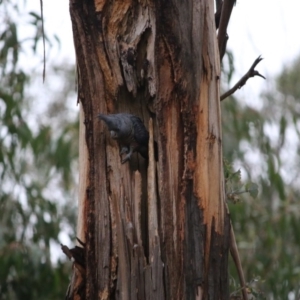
{"points": [[236, 258], [43, 33], [66, 251], [218, 13], [75, 254], [224, 21], [218, 4], [251, 73]]}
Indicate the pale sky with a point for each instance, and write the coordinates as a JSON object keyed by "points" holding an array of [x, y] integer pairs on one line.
{"points": [[266, 27]]}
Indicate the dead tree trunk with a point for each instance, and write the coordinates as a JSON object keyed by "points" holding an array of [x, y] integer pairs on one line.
{"points": [[152, 229]]}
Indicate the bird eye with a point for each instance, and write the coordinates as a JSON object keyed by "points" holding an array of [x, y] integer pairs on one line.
{"points": [[113, 134]]}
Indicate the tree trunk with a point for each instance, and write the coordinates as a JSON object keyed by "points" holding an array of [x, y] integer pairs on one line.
{"points": [[152, 229]]}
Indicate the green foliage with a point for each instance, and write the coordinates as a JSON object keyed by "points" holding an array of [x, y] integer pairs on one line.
{"points": [[229, 61], [234, 186], [36, 161], [264, 145]]}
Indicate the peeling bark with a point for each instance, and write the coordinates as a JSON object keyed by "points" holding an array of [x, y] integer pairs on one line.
{"points": [[152, 230]]}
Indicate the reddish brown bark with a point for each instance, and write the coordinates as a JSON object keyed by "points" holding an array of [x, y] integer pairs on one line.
{"points": [[153, 230]]}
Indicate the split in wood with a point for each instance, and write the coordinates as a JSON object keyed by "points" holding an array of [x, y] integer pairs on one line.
{"points": [[251, 73]]}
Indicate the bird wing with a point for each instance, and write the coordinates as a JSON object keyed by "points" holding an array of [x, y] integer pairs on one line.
{"points": [[141, 134]]}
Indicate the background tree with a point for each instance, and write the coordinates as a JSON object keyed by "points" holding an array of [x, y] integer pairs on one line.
{"points": [[264, 144], [36, 158]]}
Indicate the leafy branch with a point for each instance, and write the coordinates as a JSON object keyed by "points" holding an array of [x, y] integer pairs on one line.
{"points": [[234, 186]]}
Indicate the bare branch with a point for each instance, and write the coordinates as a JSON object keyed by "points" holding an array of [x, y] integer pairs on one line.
{"points": [[251, 73], [224, 20], [236, 258], [218, 13], [43, 34], [75, 254], [66, 251], [218, 4]]}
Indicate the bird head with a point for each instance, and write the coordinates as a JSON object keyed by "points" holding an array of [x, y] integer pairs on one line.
{"points": [[120, 125]]}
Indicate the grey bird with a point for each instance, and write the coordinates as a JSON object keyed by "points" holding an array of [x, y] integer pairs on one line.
{"points": [[130, 133]]}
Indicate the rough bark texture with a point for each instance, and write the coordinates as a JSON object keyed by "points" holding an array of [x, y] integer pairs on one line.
{"points": [[153, 230]]}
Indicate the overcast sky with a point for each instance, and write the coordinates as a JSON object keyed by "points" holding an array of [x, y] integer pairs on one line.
{"points": [[267, 27]]}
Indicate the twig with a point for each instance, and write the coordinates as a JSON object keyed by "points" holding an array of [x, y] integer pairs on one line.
{"points": [[76, 255], [66, 251], [224, 20], [236, 258], [43, 33], [251, 73], [219, 4]]}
